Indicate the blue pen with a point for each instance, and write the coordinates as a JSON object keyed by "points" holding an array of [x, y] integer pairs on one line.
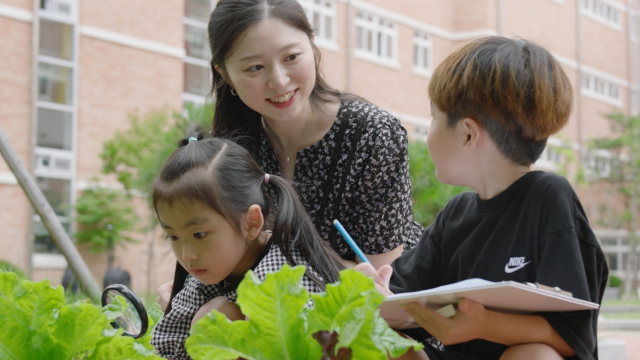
{"points": [[350, 241]]}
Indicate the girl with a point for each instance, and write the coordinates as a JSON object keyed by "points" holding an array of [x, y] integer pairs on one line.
{"points": [[214, 203]]}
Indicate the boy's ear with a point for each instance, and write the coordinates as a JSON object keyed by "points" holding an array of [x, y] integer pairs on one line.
{"points": [[472, 132], [253, 222], [223, 73]]}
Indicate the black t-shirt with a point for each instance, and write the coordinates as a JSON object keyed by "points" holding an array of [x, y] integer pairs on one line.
{"points": [[535, 231]]}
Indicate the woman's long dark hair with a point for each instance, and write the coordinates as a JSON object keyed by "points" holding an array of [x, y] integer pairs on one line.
{"points": [[230, 20], [223, 176]]}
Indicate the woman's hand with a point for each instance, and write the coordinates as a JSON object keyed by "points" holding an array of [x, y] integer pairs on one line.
{"points": [[220, 303], [380, 277], [164, 295]]}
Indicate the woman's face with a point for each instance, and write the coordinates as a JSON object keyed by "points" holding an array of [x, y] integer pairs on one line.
{"points": [[272, 68]]}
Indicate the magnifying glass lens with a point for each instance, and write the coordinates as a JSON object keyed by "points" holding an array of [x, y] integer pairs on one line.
{"points": [[129, 321]]}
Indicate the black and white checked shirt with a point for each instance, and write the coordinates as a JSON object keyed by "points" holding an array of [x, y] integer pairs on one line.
{"points": [[172, 331]]}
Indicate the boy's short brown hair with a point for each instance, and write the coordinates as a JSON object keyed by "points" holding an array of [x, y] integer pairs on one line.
{"points": [[515, 89]]}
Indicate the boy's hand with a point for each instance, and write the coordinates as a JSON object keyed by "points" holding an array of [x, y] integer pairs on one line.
{"points": [[164, 296], [380, 277], [467, 324]]}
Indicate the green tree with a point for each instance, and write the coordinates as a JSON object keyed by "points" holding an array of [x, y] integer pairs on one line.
{"points": [[626, 145], [429, 195], [136, 155], [105, 216]]}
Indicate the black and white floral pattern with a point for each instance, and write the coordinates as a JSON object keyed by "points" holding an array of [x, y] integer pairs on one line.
{"points": [[375, 207]]}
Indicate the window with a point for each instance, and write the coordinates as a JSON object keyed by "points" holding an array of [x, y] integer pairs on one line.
{"points": [[598, 164], [54, 129], [63, 9], [196, 42], [196, 79], [197, 10], [422, 53], [56, 39], [601, 89], [54, 83], [55, 113], [57, 192], [43, 242], [197, 73], [322, 17], [615, 245], [552, 157], [376, 38], [601, 11]]}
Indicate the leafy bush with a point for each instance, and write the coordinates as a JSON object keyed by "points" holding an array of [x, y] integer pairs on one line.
{"points": [[96, 207], [280, 325], [9, 267], [37, 324], [614, 281]]}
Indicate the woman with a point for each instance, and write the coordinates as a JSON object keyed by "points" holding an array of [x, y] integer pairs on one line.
{"points": [[349, 157]]}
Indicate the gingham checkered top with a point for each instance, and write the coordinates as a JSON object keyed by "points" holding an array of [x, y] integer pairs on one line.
{"points": [[171, 332]]}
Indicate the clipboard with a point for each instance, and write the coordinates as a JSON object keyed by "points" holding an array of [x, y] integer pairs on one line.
{"points": [[505, 296]]}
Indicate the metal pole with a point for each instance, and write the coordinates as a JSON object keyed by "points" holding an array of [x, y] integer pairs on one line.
{"points": [[49, 219]]}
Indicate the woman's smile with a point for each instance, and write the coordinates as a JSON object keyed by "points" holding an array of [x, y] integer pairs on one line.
{"points": [[283, 101]]}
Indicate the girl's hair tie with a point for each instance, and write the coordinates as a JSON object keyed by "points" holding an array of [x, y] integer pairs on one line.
{"points": [[193, 139], [266, 178]]}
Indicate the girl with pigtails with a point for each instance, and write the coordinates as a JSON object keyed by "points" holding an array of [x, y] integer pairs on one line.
{"points": [[215, 204]]}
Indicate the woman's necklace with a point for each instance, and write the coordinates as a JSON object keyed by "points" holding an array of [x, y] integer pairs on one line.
{"points": [[264, 126]]}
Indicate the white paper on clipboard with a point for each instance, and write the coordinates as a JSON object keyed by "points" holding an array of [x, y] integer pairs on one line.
{"points": [[508, 296]]}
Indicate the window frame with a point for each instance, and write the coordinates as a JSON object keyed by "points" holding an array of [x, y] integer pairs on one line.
{"points": [[421, 41], [312, 7], [377, 27]]}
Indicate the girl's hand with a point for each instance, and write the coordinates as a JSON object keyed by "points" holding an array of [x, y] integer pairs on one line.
{"points": [[380, 277], [220, 303], [467, 324], [165, 295]]}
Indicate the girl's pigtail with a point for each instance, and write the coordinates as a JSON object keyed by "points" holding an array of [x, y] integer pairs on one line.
{"points": [[178, 284], [293, 229]]}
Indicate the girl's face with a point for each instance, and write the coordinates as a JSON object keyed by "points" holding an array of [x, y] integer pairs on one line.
{"points": [[204, 242], [272, 68]]}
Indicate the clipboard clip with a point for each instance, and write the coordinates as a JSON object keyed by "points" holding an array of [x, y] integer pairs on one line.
{"points": [[554, 289]]}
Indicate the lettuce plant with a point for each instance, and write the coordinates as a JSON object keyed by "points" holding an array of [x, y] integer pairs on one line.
{"points": [[343, 322], [37, 324]]}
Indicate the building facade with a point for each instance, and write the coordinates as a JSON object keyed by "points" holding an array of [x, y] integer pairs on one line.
{"points": [[73, 70]]}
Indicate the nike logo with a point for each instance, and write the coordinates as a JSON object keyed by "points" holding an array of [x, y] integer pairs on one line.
{"points": [[515, 264]]}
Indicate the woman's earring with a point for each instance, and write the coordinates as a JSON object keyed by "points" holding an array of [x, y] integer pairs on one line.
{"points": [[233, 92]]}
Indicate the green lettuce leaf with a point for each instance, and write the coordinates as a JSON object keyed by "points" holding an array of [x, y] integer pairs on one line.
{"points": [[121, 348], [79, 328], [275, 329], [35, 323], [216, 338], [280, 325], [8, 281]]}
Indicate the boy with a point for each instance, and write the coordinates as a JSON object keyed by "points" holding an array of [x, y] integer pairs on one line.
{"points": [[495, 102]]}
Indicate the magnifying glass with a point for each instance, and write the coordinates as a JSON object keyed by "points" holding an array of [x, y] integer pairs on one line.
{"points": [[134, 320]]}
